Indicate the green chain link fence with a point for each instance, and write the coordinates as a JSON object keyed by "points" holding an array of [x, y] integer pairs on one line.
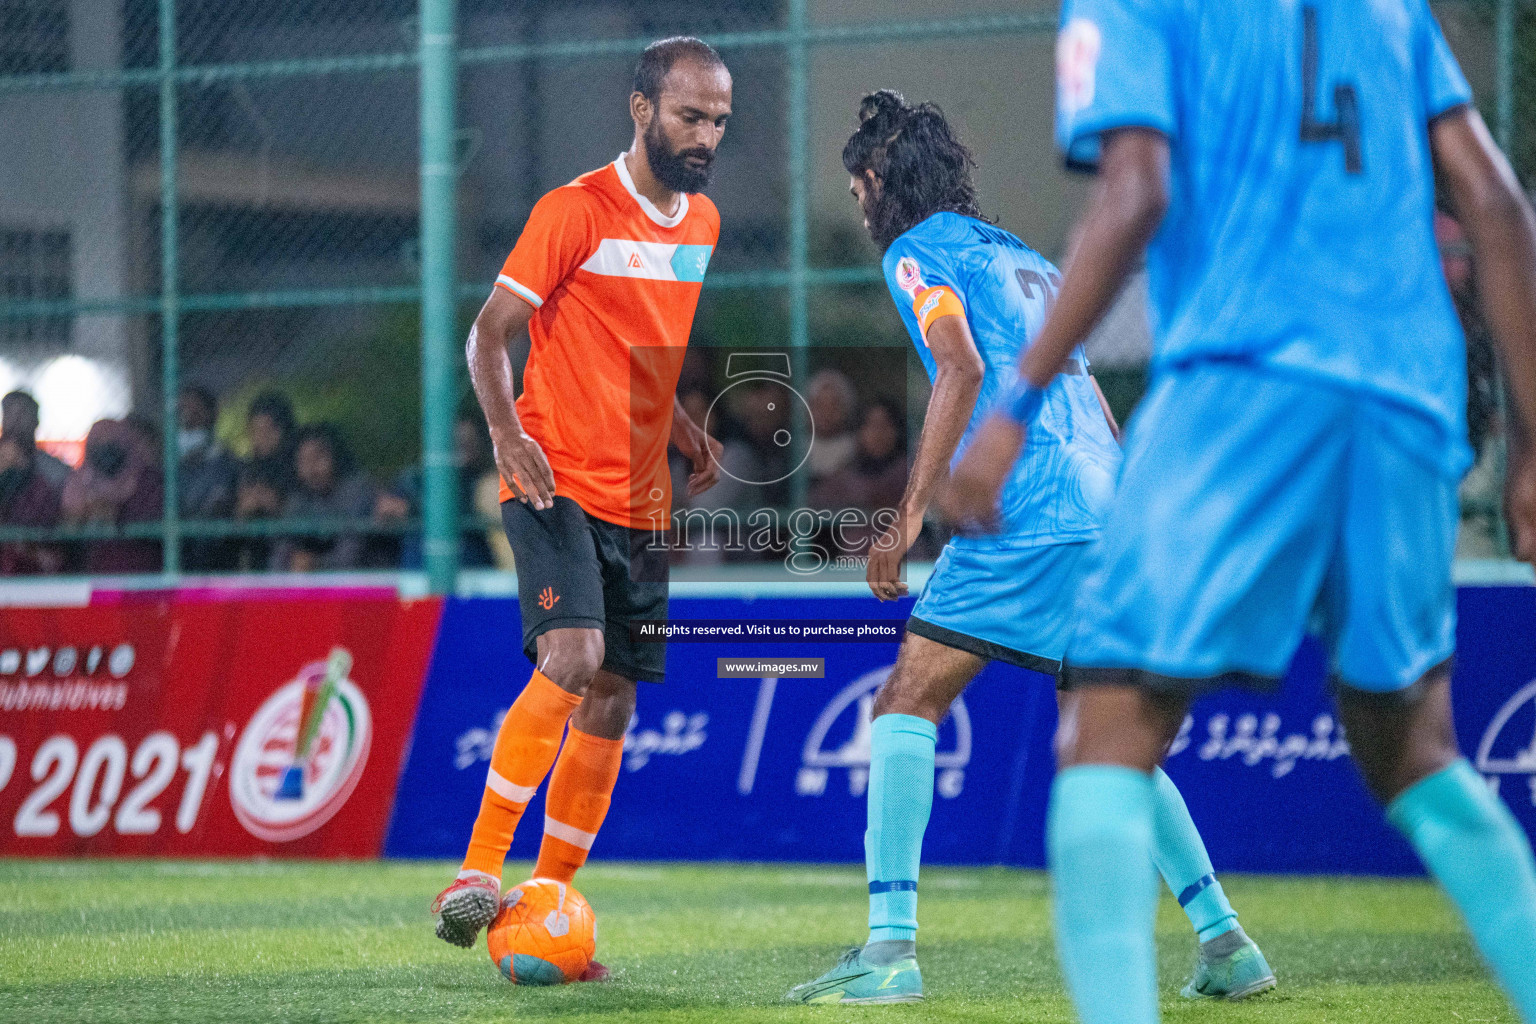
{"points": [[313, 196]]}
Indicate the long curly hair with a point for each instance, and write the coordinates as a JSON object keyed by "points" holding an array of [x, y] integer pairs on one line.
{"points": [[922, 166]]}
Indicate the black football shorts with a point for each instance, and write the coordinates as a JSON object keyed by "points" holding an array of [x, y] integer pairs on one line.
{"points": [[575, 571]]}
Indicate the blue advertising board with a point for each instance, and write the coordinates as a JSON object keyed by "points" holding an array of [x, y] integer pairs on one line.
{"points": [[765, 769]]}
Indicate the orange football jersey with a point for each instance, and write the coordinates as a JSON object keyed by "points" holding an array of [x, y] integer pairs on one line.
{"points": [[614, 284]]}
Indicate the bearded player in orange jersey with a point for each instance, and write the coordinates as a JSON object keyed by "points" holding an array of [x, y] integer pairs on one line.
{"points": [[605, 278]]}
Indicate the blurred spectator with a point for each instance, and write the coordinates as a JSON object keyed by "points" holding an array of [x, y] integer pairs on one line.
{"points": [[875, 479], [401, 502], [26, 499], [1481, 489], [206, 480], [695, 403], [147, 437], [754, 464], [487, 507], [834, 404], [270, 432], [877, 474], [328, 486], [258, 496], [118, 483], [18, 422]]}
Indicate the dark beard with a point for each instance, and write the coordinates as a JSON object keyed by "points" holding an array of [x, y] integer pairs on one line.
{"points": [[669, 167]]}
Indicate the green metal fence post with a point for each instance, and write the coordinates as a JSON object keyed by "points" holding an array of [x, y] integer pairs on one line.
{"points": [[1504, 87], [798, 59], [1504, 134], [170, 289], [439, 358]]}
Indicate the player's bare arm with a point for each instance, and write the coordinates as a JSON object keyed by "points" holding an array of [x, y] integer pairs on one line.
{"points": [[698, 448], [1128, 201], [1499, 221], [1109, 414], [519, 458], [955, 389]]}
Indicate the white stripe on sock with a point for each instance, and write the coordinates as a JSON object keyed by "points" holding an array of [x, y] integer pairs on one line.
{"points": [[502, 787], [568, 833]]}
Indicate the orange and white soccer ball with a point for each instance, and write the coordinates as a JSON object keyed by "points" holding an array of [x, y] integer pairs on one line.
{"points": [[545, 934]]}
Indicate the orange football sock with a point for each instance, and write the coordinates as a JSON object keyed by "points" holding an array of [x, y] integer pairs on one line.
{"points": [[579, 793], [525, 748]]}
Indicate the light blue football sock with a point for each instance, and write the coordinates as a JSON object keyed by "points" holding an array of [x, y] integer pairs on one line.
{"points": [[1473, 846], [1099, 840], [901, 751], [1179, 853]]}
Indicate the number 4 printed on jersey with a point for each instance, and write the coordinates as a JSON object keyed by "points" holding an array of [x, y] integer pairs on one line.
{"points": [[1345, 126]]}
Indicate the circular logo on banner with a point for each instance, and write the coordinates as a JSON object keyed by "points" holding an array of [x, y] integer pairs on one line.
{"points": [[301, 755], [1509, 743]]}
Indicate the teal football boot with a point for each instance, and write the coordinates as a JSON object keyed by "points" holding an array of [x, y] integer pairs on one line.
{"points": [[855, 980], [1231, 967]]}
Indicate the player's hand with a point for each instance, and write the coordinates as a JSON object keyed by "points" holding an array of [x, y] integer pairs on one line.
{"points": [[884, 571], [522, 464], [970, 502], [698, 448], [1520, 506], [705, 457]]}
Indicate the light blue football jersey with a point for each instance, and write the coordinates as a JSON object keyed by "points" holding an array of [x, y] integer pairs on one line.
{"points": [[1300, 231], [1061, 485]]}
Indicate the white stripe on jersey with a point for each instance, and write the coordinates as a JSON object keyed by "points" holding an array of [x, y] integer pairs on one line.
{"points": [[623, 257]]}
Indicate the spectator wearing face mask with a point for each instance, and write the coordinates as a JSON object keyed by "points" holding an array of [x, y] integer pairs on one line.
{"points": [[206, 476], [26, 500], [329, 486], [117, 484], [19, 416]]}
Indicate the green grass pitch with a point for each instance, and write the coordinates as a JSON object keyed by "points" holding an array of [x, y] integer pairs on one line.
{"points": [[238, 941]]}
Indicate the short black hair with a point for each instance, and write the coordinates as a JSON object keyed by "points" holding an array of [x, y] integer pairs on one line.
{"points": [[277, 407], [23, 397], [659, 57], [329, 435], [922, 165]]}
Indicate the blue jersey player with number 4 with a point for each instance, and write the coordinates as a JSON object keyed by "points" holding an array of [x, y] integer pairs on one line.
{"points": [[1296, 457], [971, 296]]}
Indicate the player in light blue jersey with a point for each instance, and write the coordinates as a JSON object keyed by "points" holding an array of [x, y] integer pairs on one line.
{"points": [[1297, 454], [972, 295]]}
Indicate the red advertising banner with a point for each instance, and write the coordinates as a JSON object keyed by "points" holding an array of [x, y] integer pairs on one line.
{"points": [[160, 725]]}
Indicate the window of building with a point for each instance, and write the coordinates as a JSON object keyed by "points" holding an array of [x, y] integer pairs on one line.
{"points": [[34, 36], [35, 266]]}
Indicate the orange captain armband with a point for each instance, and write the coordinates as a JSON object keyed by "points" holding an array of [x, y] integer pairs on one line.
{"points": [[932, 303]]}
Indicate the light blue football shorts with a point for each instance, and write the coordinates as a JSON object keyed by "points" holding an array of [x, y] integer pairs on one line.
{"points": [[1254, 505], [1009, 604]]}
